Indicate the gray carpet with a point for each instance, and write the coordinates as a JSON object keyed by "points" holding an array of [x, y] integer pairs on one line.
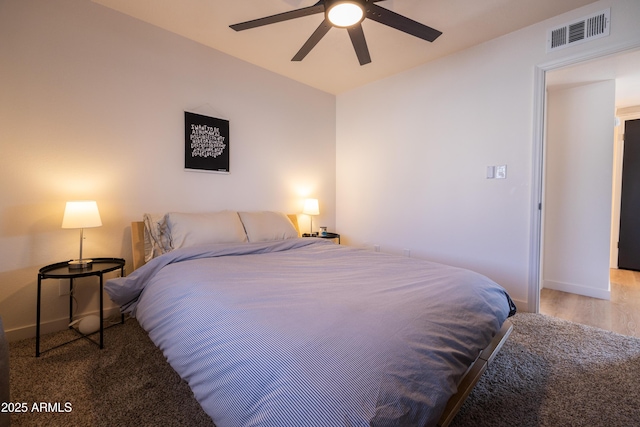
{"points": [[550, 373], [128, 383]]}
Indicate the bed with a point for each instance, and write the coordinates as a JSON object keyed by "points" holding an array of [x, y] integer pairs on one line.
{"points": [[271, 329]]}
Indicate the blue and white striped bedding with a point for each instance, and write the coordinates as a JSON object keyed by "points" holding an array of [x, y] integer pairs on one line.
{"points": [[303, 332]]}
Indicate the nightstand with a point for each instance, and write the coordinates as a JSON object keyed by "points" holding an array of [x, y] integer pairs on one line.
{"points": [[61, 270], [324, 236]]}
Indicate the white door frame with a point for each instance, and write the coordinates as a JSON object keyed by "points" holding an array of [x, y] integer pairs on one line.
{"points": [[539, 141]]}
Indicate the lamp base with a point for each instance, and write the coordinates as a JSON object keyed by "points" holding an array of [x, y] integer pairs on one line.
{"points": [[78, 264]]}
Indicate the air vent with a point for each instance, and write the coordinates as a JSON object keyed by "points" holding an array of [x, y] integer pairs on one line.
{"points": [[585, 29]]}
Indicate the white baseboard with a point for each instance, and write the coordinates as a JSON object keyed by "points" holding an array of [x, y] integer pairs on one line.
{"points": [[578, 289], [522, 306], [50, 326]]}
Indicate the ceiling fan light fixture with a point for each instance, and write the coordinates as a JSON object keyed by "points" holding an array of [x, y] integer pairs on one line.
{"points": [[345, 13]]}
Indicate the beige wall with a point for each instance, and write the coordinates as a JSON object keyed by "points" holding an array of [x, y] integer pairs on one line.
{"points": [[91, 107], [412, 152]]}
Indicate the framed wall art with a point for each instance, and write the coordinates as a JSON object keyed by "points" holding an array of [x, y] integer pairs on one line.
{"points": [[206, 143]]}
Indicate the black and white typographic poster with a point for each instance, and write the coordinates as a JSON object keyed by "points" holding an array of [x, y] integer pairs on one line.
{"points": [[206, 143]]}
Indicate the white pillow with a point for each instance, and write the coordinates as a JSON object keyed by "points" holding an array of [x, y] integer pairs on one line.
{"points": [[191, 229], [267, 226]]}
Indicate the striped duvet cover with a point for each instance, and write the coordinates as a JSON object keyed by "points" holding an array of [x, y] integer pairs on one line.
{"points": [[303, 332]]}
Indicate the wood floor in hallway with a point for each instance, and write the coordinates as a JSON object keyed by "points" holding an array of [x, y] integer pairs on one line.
{"points": [[621, 314]]}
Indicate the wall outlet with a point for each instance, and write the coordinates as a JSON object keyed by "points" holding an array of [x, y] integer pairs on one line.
{"points": [[501, 172], [63, 287]]}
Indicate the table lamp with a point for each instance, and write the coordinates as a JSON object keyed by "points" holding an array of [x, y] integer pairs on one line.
{"points": [[81, 214], [311, 208]]}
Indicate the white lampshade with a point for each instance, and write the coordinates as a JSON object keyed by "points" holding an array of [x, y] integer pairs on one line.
{"points": [[311, 207], [345, 13], [81, 214]]}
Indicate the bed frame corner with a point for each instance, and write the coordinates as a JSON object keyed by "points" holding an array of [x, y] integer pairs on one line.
{"points": [[474, 373]]}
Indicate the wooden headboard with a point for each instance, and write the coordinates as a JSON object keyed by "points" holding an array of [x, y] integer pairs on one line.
{"points": [[137, 244], [137, 240], [294, 221]]}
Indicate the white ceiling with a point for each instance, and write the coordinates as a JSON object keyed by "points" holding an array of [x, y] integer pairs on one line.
{"points": [[332, 66]]}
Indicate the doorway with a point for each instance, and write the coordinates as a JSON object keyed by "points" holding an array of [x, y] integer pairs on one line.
{"points": [[611, 57], [578, 188]]}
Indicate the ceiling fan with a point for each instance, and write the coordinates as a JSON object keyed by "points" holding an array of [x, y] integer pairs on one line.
{"points": [[347, 14]]}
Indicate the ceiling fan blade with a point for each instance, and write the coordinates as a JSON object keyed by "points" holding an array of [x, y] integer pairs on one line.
{"points": [[359, 44], [280, 17], [317, 35], [402, 23]]}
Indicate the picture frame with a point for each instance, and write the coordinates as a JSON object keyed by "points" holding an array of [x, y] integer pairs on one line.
{"points": [[206, 143]]}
